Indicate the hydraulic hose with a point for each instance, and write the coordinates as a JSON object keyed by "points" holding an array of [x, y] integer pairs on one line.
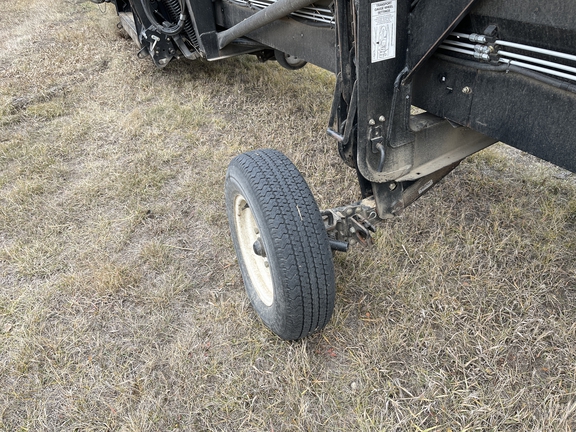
{"points": [[175, 11], [170, 31], [512, 68]]}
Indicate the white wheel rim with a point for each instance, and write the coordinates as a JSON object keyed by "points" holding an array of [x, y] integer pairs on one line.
{"points": [[257, 266], [293, 61]]}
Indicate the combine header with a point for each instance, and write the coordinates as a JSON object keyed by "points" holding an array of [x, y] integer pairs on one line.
{"points": [[479, 72]]}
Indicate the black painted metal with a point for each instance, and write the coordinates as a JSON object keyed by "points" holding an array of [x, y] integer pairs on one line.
{"points": [[342, 123], [548, 22], [160, 46], [314, 44], [383, 103], [370, 115], [202, 16], [277, 10], [520, 111], [430, 22], [392, 198]]}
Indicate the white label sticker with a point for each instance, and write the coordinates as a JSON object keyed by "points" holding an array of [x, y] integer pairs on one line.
{"points": [[383, 30]]}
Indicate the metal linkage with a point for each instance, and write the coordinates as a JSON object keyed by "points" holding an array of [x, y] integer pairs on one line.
{"points": [[278, 9], [351, 224]]}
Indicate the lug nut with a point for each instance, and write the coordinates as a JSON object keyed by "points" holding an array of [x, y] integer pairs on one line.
{"points": [[258, 248]]}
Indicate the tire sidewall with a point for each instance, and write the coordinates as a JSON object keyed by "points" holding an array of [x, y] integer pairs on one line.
{"points": [[273, 314]]}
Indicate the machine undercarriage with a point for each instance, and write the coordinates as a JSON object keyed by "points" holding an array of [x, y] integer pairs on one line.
{"points": [[478, 71]]}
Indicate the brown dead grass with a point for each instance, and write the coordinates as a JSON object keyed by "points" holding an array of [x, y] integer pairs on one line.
{"points": [[121, 304]]}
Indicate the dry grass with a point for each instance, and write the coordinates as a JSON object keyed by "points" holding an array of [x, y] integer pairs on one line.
{"points": [[121, 305]]}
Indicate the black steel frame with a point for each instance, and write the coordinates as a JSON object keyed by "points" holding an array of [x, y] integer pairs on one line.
{"points": [[469, 104]]}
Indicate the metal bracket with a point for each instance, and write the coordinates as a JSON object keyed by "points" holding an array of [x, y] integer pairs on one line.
{"points": [[160, 46], [353, 224]]}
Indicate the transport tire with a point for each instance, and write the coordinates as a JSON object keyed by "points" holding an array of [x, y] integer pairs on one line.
{"points": [[281, 243], [289, 62]]}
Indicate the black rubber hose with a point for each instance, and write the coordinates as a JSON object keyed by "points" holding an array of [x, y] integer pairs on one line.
{"points": [[543, 78], [512, 68], [175, 11], [170, 31]]}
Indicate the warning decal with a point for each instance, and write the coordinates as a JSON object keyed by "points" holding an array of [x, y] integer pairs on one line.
{"points": [[383, 30]]}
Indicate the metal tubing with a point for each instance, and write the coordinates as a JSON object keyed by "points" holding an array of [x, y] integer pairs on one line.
{"points": [[273, 12], [458, 44], [505, 67], [538, 68], [332, 133], [458, 50], [338, 246], [537, 50], [514, 63], [473, 38], [537, 60]]}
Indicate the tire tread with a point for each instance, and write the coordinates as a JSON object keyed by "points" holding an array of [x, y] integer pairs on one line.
{"points": [[299, 235]]}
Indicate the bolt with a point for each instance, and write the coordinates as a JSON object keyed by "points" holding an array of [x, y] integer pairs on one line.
{"points": [[382, 119], [256, 231], [258, 248], [266, 263], [371, 122], [466, 90], [392, 186], [352, 230]]}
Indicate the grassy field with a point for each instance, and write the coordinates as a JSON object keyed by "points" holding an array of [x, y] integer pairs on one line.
{"points": [[121, 302]]}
